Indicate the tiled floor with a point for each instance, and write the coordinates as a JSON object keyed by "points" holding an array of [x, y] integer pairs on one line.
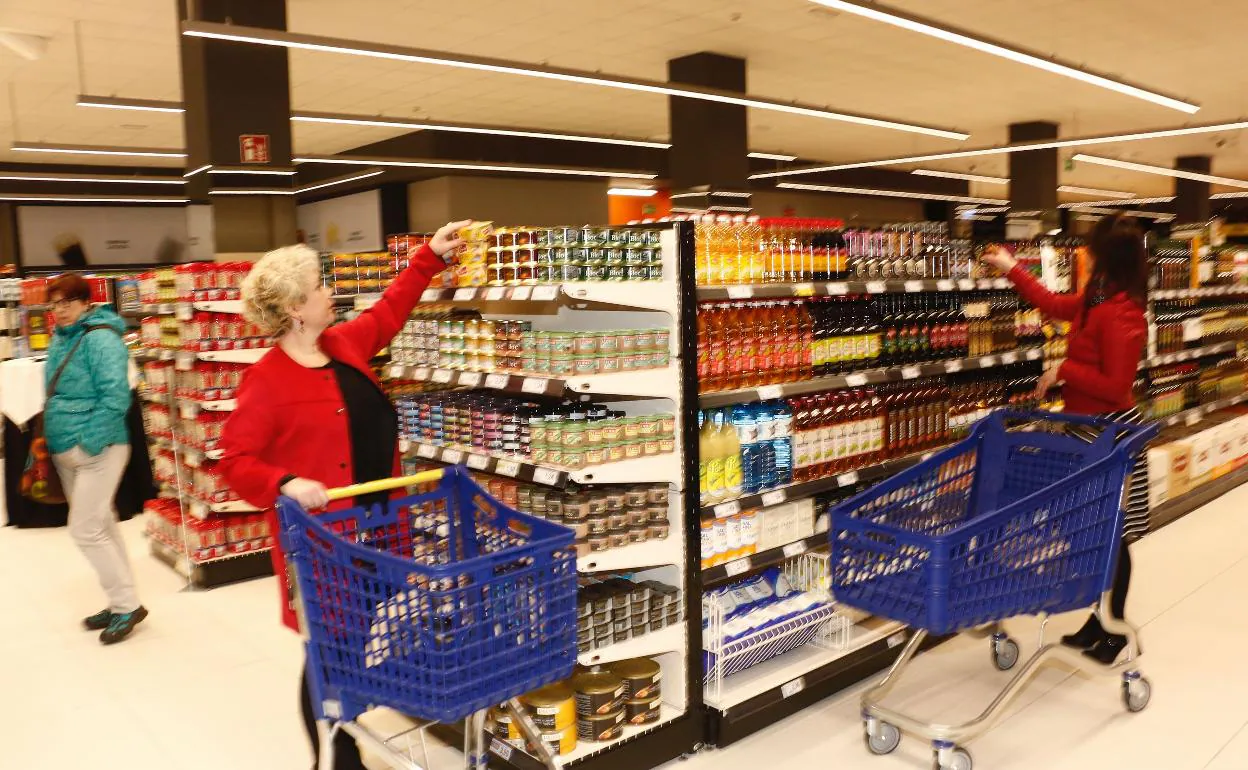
{"points": [[210, 680]]}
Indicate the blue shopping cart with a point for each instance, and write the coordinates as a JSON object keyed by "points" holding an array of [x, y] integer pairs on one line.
{"points": [[1023, 517], [439, 604]]}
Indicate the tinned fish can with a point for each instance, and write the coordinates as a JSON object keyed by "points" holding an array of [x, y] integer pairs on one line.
{"points": [[552, 708], [597, 693], [641, 678], [644, 711], [601, 727]]}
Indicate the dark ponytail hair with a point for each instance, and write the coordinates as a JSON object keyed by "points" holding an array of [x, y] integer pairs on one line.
{"points": [[1120, 260]]}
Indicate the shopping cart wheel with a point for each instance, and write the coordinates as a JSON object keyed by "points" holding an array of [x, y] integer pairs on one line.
{"points": [[951, 759], [884, 740], [1136, 692], [1004, 652]]}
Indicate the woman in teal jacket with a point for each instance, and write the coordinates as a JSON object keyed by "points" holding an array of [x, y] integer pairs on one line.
{"points": [[87, 378]]}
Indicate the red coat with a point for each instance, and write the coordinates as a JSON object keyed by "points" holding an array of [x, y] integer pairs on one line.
{"points": [[291, 419], [1103, 349]]}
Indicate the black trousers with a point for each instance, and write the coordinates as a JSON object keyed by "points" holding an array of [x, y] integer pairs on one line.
{"points": [[346, 753], [1122, 582]]}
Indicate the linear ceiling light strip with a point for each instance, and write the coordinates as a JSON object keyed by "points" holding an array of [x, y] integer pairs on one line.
{"points": [[921, 25], [19, 197], [88, 149], [24, 176], [466, 166], [468, 128], [259, 36], [1164, 133], [888, 193], [1074, 190], [339, 180], [958, 175], [1118, 202], [123, 103], [1147, 168], [772, 156]]}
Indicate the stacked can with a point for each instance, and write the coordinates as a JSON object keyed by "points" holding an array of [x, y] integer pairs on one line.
{"points": [[553, 711], [520, 256], [615, 610]]}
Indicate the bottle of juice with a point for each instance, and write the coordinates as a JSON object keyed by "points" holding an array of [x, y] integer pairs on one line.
{"points": [[755, 248], [711, 464], [702, 244], [713, 252], [748, 342], [717, 347], [735, 255], [728, 447], [704, 345]]}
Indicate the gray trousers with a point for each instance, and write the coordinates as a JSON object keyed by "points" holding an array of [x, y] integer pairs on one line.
{"points": [[90, 486]]}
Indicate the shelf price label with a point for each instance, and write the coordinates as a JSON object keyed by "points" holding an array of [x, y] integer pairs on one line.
{"points": [[533, 385], [945, 285], [463, 295], [1009, 358], [794, 549], [547, 476], [421, 373], [730, 508], [397, 371], [966, 284], [737, 567], [478, 462], [452, 456], [769, 392], [910, 373], [774, 497], [789, 689], [847, 479], [1193, 418], [470, 379], [500, 749], [507, 468], [913, 286], [495, 293], [837, 289], [896, 639], [497, 381], [740, 292], [545, 293], [876, 287], [442, 376], [427, 451], [430, 295], [803, 290], [987, 361], [856, 380], [522, 293], [954, 366]]}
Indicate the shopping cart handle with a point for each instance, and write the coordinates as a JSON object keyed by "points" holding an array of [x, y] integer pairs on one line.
{"points": [[385, 485]]}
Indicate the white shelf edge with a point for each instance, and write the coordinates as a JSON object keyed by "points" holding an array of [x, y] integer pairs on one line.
{"points": [[655, 383], [234, 306], [668, 639], [652, 553], [656, 468]]}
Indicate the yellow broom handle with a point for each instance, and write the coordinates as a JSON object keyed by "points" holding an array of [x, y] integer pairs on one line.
{"points": [[385, 485]]}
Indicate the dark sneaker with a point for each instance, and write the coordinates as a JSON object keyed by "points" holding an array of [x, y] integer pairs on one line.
{"points": [[99, 621], [121, 626], [1087, 637]]}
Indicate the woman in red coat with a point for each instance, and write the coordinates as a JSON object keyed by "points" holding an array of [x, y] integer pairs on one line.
{"points": [[1108, 332], [311, 414]]}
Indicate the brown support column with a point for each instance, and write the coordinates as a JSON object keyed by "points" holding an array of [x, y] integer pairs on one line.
{"points": [[1191, 198], [710, 140], [1033, 174], [237, 117]]}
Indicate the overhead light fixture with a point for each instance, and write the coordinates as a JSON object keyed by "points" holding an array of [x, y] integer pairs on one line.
{"points": [[888, 193], [717, 207], [88, 149], [23, 176], [121, 103], [18, 197], [972, 209], [967, 177], [712, 193], [249, 191], [1159, 216], [339, 180], [772, 156], [202, 168], [1147, 168], [251, 170], [897, 18], [283, 39], [1073, 190], [1226, 195], [513, 168], [468, 128], [632, 192], [1118, 202], [1002, 149]]}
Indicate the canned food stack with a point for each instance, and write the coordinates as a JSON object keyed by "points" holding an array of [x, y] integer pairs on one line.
{"points": [[364, 273], [157, 286], [220, 331], [614, 610], [160, 332], [208, 381]]}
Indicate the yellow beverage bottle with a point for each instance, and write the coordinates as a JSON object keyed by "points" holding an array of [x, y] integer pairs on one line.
{"points": [[735, 254], [728, 447], [702, 241], [755, 249], [711, 470]]}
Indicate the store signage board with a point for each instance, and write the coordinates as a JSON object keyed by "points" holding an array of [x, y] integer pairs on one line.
{"points": [[253, 148]]}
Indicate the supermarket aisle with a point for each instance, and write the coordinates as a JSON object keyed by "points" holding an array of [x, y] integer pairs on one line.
{"points": [[209, 681]]}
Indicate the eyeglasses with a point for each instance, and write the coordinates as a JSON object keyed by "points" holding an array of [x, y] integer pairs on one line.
{"points": [[57, 304]]}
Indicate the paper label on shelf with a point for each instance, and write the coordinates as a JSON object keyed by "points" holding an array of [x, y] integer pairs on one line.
{"points": [[794, 549], [910, 373], [495, 293], [988, 361], [953, 366], [1009, 358], [913, 286], [501, 749], [478, 462], [1035, 355], [427, 451], [740, 292], [774, 497], [442, 376], [396, 371], [497, 381], [463, 295], [430, 295], [896, 639], [1193, 418], [876, 287], [421, 373], [768, 392], [966, 284], [847, 479], [737, 567], [470, 379], [521, 293], [789, 689], [533, 385], [452, 456], [507, 468], [545, 293], [548, 476], [836, 289], [803, 290], [730, 508], [856, 380], [945, 285]]}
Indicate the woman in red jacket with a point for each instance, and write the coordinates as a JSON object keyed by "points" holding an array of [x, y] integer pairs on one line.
{"points": [[1107, 336], [311, 414]]}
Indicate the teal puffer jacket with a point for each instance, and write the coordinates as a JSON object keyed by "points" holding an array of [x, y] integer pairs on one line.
{"points": [[92, 397]]}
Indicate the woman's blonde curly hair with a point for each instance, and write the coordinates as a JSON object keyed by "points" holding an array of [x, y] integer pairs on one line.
{"points": [[276, 285]]}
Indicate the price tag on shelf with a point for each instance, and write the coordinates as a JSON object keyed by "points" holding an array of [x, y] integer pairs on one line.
{"points": [[789, 689], [495, 293], [1193, 418], [768, 392], [836, 289], [803, 290], [497, 381], [547, 476], [421, 373], [913, 286], [954, 365], [740, 292], [896, 639], [470, 379], [452, 456], [966, 284], [501, 749], [910, 373], [533, 385], [442, 376], [507, 468], [737, 567], [1035, 354], [397, 371], [794, 549], [856, 380], [463, 295], [876, 287], [427, 451], [730, 508], [478, 462], [545, 293], [986, 361], [847, 479], [945, 285], [775, 497], [430, 295], [1009, 358], [522, 293]]}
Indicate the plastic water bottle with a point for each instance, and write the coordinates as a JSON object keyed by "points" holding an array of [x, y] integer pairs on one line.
{"points": [[782, 441], [765, 417], [743, 419]]}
